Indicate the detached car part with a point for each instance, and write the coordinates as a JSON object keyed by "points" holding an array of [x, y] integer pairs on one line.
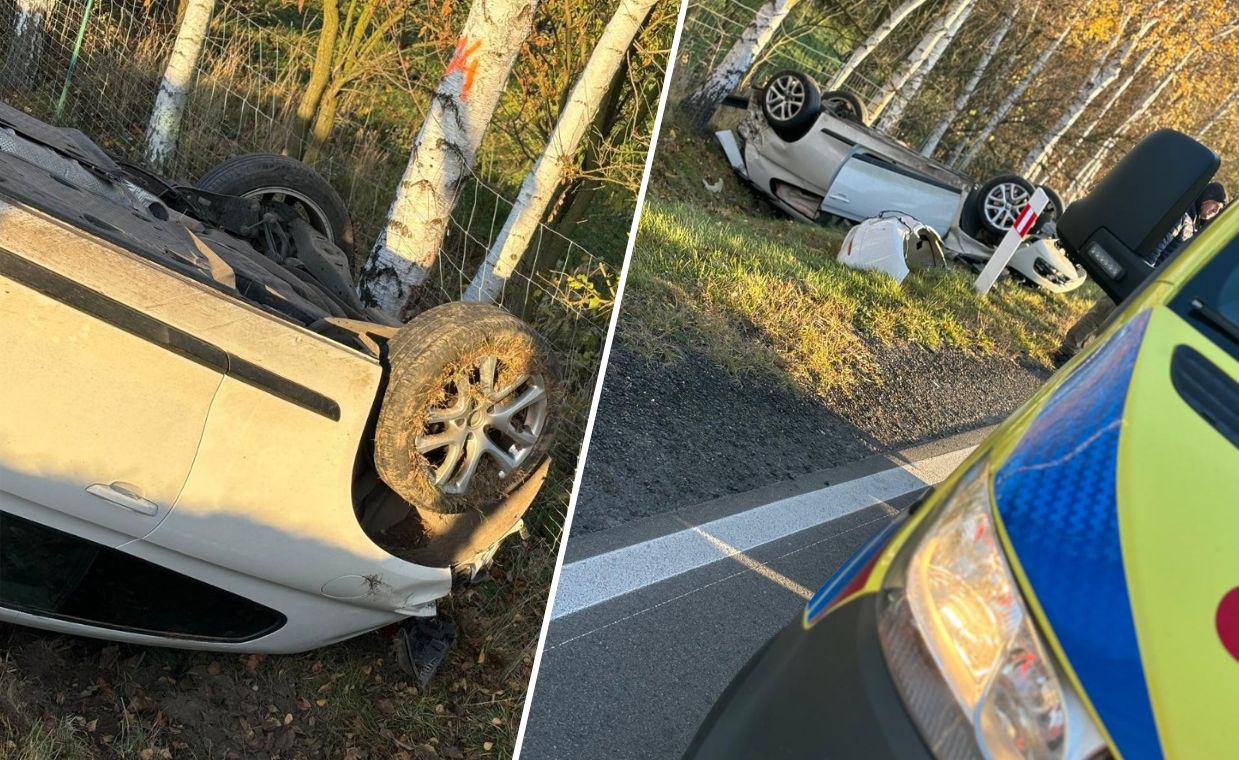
{"points": [[893, 244]]}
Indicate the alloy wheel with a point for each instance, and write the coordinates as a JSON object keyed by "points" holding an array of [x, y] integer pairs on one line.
{"points": [[480, 418], [1003, 204], [785, 96]]}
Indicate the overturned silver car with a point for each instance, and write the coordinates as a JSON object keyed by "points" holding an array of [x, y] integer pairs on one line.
{"points": [[813, 157]]}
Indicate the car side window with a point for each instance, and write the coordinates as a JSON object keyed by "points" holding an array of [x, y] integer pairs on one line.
{"points": [[50, 573], [1215, 287]]}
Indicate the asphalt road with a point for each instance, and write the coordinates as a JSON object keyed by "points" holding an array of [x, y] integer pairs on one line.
{"points": [[631, 675], [669, 436]]}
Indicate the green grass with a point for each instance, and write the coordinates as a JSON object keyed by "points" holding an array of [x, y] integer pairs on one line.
{"points": [[757, 292]]}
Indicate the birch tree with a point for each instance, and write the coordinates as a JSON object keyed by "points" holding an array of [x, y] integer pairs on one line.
{"points": [[540, 185], [1086, 174], [704, 101], [21, 62], [165, 124], [444, 151], [965, 93], [1106, 107], [875, 38], [919, 56], [904, 95], [1014, 96], [1218, 115], [1107, 69]]}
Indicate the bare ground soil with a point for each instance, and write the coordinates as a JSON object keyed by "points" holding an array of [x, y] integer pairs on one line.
{"points": [[68, 697]]}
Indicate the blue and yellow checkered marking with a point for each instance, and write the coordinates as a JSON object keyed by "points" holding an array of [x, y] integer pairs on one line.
{"points": [[1056, 495]]}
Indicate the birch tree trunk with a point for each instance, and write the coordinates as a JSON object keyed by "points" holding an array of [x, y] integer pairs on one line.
{"points": [[443, 154], [1103, 74], [539, 187], [895, 110], [923, 51], [702, 102], [965, 94], [1218, 115], [21, 62], [1105, 108], [1013, 97], [178, 76], [1000, 73], [871, 42], [1085, 176]]}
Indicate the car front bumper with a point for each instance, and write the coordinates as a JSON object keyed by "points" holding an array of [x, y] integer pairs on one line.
{"points": [[823, 691]]}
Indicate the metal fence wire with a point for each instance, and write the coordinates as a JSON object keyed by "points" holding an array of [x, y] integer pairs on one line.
{"points": [[817, 37], [99, 68]]}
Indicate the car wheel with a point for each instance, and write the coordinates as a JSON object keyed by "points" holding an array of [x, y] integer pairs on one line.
{"points": [[469, 410], [272, 178], [844, 105], [1000, 200], [791, 103]]}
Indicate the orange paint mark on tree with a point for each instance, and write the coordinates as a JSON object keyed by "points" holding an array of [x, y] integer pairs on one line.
{"points": [[464, 62]]}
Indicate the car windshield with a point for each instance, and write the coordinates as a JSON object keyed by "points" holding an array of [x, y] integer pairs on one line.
{"points": [[1210, 300]]}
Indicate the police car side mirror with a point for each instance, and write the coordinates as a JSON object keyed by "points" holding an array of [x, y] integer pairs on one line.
{"points": [[1115, 229]]}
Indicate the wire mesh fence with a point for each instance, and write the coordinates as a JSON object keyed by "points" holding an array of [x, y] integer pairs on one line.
{"points": [[98, 67], [817, 38]]}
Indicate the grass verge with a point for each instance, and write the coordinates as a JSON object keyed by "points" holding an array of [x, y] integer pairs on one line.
{"points": [[755, 291]]}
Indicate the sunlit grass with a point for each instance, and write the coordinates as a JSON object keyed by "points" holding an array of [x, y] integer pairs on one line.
{"points": [[756, 292]]}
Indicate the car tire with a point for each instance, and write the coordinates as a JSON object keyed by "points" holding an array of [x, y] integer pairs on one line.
{"points": [[999, 201], [469, 384], [280, 179], [1055, 209], [843, 105], [790, 101]]}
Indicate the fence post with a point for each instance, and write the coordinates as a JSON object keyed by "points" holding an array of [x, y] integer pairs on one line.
{"points": [[77, 49]]}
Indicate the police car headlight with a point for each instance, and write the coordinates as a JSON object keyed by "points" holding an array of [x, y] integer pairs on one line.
{"points": [[960, 643]]}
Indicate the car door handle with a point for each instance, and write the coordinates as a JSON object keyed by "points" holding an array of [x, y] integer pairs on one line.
{"points": [[125, 496]]}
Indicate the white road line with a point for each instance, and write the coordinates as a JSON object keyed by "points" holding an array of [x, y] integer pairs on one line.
{"points": [[597, 579]]}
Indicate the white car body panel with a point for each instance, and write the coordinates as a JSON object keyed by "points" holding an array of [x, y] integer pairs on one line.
{"points": [[254, 492], [1050, 251], [864, 189], [65, 378]]}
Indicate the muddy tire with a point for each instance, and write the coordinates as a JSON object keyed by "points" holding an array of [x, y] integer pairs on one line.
{"points": [[791, 102], [470, 407], [279, 179]]}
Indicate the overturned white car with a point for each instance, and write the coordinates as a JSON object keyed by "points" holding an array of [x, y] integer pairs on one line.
{"points": [[812, 156], [208, 442]]}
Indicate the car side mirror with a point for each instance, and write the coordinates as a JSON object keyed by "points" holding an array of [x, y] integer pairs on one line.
{"points": [[1115, 229]]}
